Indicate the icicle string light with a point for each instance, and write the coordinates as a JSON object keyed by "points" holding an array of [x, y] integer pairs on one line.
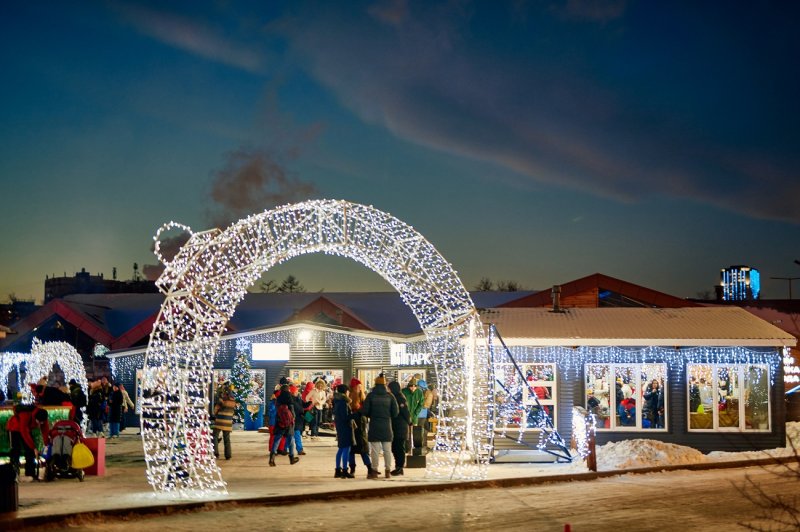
{"points": [[210, 275], [572, 360]]}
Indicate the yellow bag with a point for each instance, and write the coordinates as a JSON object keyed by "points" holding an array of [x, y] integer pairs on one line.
{"points": [[82, 456]]}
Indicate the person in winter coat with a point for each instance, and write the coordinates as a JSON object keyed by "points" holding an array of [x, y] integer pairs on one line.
{"points": [[380, 407], [78, 400], [400, 428], [284, 426], [319, 398], [115, 405], [94, 410], [654, 399], [224, 410], [127, 405], [299, 420], [627, 412], [309, 406], [20, 427], [272, 417], [360, 444], [414, 399], [342, 420]]}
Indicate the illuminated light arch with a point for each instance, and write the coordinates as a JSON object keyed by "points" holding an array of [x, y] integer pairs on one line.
{"points": [[10, 361], [45, 355], [210, 275]]}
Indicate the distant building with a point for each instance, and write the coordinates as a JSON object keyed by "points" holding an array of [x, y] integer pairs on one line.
{"points": [[739, 283], [85, 283], [16, 310]]}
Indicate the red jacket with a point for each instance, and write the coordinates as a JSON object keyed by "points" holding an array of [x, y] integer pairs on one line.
{"points": [[24, 421]]}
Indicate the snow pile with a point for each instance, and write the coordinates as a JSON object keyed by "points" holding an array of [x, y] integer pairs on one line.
{"points": [[631, 454]]}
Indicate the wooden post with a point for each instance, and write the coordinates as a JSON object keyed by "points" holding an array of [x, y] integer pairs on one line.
{"points": [[591, 459]]}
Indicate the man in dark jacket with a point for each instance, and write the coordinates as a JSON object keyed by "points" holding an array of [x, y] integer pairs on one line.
{"points": [[381, 408], [400, 426], [78, 399]]}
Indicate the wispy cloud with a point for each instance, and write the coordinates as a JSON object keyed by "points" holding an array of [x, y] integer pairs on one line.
{"points": [[192, 36], [537, 102]]}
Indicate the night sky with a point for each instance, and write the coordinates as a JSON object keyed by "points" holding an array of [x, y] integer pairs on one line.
{"points": [[530, 141]]}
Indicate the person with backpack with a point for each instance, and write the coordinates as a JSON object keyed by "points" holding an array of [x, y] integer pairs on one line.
{"points": [[284, 426]]}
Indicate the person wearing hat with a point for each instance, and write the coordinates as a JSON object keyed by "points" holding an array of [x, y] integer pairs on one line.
{"points": [[400, 427], [414, 398], [381, 408]]}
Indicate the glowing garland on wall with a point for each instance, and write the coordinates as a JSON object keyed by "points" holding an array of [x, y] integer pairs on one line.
{"points": [[208, 278]]}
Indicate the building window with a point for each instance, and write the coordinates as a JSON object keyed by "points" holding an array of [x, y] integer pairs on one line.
{"points": [[517, 398], [627, 396], [728, 397]]}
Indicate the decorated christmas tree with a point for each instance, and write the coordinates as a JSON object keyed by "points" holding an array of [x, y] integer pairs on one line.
{"points": [[240, 379]]}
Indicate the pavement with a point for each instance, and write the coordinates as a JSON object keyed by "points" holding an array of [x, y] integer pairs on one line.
{"points": [[124, 490]]}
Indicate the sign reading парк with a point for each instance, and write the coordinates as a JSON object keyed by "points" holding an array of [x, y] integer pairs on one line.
{"points": [[401, 357]]}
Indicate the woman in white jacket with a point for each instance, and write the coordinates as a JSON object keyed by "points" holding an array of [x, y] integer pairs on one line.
{"points": [[319, 398]]}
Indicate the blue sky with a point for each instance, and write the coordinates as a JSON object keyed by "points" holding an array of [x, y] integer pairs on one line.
{"points": [[529, 141]]}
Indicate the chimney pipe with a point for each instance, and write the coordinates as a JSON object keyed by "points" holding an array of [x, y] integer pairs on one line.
{"points": [[555, 294]]}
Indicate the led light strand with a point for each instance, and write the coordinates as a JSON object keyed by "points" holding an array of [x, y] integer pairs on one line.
{"points": [[210, 275]]}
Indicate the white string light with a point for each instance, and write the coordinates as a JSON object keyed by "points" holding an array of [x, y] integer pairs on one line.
{"points": [[210, 275], [9, 361]]}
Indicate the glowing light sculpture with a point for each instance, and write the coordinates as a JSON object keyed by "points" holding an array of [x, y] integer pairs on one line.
{"points": [[45, 355], [208, 278], [9, 361]]}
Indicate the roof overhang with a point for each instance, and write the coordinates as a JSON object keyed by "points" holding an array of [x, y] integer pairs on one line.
{"points": [[651, 342]]}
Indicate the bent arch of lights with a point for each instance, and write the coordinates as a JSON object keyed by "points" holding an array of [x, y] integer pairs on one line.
{"points": [[210, 275]]}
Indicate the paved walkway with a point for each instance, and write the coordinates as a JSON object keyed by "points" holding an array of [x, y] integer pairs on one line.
{"points": [[124, 488]]}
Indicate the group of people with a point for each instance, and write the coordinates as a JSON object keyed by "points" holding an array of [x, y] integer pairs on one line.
{"points": [[377, 423], [31, 421], [107, 403], [366, 425]]}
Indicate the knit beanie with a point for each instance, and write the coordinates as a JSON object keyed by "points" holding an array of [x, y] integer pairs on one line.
{"points": [[380, 379], [354, 382]]}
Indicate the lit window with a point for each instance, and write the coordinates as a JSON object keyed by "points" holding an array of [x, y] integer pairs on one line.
{"points": [[627, 396], [728, 397]]}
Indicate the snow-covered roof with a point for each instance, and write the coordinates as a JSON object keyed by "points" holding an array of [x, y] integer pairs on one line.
{"points": [[718, 326]]}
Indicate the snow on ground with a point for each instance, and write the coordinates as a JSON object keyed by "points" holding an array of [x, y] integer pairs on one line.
{"points": [[652, 453]]}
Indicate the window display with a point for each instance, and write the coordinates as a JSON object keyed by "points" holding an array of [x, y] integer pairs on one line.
{"points": [[516, 399], [728, 396], [638, 400]]}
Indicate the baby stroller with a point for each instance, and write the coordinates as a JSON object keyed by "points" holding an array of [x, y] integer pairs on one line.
{"points": [[63, 437]]}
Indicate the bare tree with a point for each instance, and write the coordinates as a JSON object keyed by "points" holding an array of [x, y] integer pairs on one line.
{"points": [[508, 286], [269, 286], [484, 285], [778, 512]]}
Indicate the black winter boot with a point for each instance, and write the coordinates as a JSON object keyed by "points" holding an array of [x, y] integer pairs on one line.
{"points": [[338, 473], [272, 459], [397, 472]]}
